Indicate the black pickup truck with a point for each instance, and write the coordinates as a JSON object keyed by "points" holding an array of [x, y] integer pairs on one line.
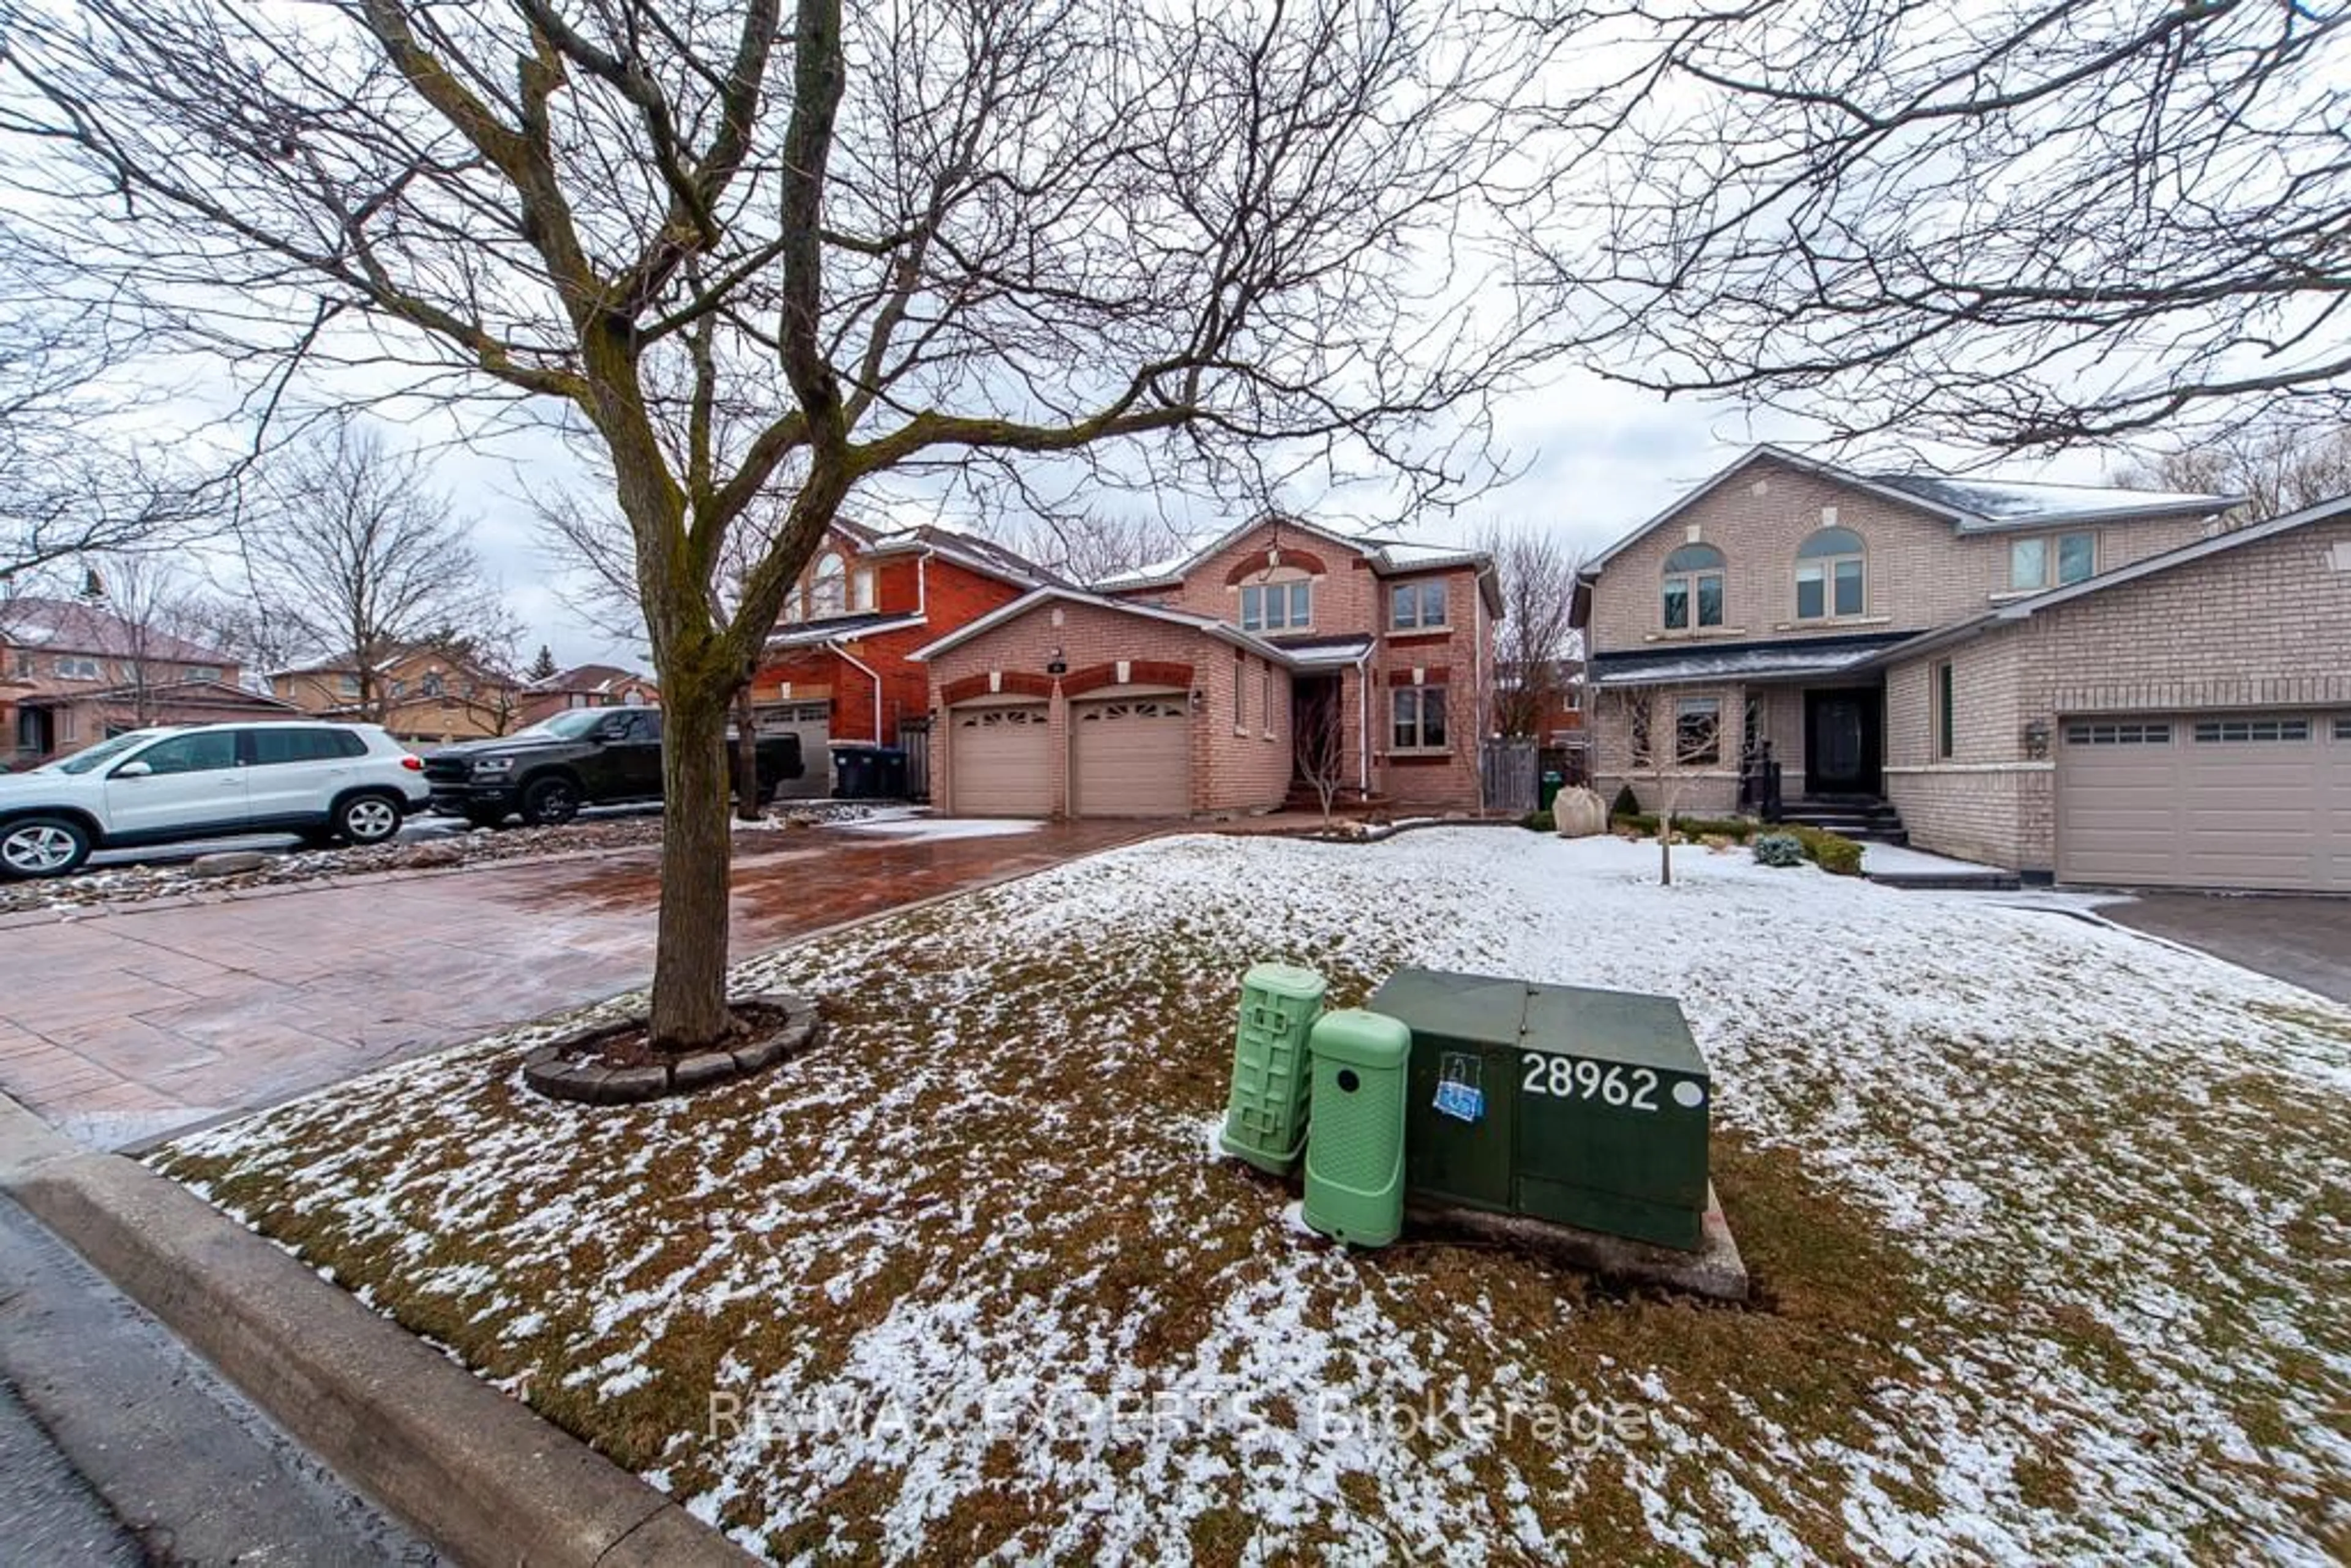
{"points": [[582, 756]]}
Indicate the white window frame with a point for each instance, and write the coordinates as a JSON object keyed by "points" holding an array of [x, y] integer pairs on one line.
{"points": [[1257, 603], [1419, 589], [862, 589], [81, 667], [828, 588], [2051, 549], [1824, 569], [1709, 708], [1415, 700], [1692, 582]]}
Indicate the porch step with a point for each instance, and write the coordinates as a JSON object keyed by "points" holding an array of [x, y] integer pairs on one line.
{"points": [[1949, 881], [1859, 817]]}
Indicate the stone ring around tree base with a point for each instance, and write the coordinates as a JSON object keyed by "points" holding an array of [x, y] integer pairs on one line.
{"points": [[568, 1068]]}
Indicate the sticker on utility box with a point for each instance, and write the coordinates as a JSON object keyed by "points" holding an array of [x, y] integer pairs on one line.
{"points": [[1460, 1094]]}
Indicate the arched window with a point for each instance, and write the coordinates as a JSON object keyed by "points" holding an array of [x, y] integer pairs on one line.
{"points": [[829, 591], [1694, 575], [1829, 576]]}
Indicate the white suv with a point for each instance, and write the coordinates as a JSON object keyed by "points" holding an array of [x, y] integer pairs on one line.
{"points": [[322, 782]]}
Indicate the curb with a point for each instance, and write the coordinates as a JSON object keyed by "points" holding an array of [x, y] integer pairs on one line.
{"points": [[475, 1472]]}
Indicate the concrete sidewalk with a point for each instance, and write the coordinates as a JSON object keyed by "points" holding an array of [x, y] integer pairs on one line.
{"points": [[123, 1025]]}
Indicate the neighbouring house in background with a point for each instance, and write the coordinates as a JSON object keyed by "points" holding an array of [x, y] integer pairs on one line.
{"points": [[1224, 682], [76, 672], [838, 667], [427, 695], [2100, 685], [584, 686]]}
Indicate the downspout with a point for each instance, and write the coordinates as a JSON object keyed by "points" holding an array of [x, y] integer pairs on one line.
{"points": [[840, 648], [1363, 716], [1477, 670]]}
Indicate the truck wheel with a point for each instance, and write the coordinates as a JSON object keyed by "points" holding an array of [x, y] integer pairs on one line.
{"points": [[43, 846], [550, 802]]}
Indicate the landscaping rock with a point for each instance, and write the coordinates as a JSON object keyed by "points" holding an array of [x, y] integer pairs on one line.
{"points": [[1579, 813], [710, 1067], [229, 863], [635, 1085]]}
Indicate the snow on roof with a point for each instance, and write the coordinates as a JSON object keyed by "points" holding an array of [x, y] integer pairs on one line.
{"points": [[75, 626], [1327, 651], [2015, 503], [838, 627], [1698, 665]]}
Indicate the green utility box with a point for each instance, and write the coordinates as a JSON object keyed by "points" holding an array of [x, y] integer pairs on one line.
{"points": [[1265, 1112], [1354, 1158], [1581, 1107]]}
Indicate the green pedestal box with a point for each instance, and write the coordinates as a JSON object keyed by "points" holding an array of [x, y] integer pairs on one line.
{"points": [[1582, 1107], [1355, 1156], [1265, 1112]]}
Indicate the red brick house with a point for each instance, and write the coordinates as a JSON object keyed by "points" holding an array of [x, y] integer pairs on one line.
{"points": [[1217, 683], [840, 667], [73, 673]]}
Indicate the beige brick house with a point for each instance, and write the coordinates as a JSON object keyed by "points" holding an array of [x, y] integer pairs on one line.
{"points": [[1210, 685], [2103, 686]]}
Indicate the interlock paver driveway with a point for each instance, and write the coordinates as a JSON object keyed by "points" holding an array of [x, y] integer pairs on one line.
{"points": [[121, 1026]]}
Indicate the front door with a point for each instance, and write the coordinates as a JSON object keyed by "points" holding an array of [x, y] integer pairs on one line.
{"points": [[1317, 735], [1842, 741]]}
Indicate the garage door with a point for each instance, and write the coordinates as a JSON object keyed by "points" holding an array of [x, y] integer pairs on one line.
{"points": [[1000, 765], [1134, 756], [2207, 801]]}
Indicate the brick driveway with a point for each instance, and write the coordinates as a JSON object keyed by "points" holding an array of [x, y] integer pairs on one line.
{"points": [[119, 1027]]}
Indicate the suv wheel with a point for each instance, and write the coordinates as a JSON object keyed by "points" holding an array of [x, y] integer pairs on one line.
{"points": [[43, 846], [367, 818], [550, 802]]}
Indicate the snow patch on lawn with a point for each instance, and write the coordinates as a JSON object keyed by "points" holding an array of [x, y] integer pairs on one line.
{"points": [[971, 1289], [940, 828]]}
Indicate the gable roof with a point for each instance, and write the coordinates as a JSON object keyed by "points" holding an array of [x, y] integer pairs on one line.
{"points": [[1221, 631], [842, 628], [2336, 510], [1388, 557], [981, 555], [77, 626], [1968, 505], [595, 678]]}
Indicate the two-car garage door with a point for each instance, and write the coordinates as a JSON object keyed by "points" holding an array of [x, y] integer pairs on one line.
{"points": [[2257, 799], [1129, 757]]}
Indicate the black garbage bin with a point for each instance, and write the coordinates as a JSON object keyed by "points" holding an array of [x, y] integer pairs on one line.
{"points": [[889, 773], [854, 773]]}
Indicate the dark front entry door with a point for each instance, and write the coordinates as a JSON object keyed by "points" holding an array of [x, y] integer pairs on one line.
{"points": [[1315, 729], [1841, 742]]}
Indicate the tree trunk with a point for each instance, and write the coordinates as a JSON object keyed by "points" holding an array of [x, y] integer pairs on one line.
{"points": [[1665, 849], [747, 758], [690, 946]]}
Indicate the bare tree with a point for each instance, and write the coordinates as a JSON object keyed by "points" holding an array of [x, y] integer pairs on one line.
{"points": [[1089, 549], [2277, 470], [351, 549], [759, 257], [1664, 742], [1321, 751], [163, 617], [71, 484], [1535, 641], [2011, 224]]}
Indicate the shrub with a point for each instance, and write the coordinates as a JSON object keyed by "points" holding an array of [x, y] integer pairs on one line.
{"points": [[1779, 849], [1539, 822], [1627, 804], [1635, 823], [1837, 856]]}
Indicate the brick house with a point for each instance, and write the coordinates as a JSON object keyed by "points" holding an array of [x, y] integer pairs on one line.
{"points": [[73, 673], [584, 686], [2100, 686], [1210, 685], [427, 695], [840, 666]]}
